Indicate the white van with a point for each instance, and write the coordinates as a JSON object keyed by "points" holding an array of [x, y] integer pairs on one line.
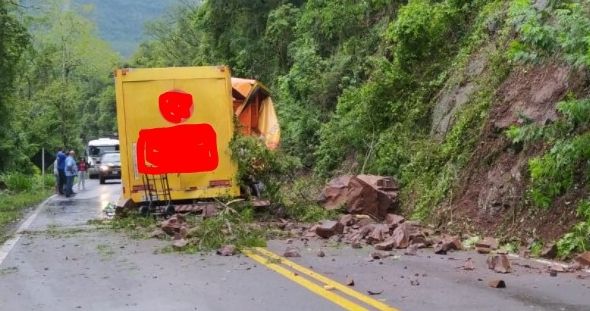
{"points": [[95, 149]]}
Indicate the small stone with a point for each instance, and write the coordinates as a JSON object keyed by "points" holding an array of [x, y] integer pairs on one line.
{"points": [[412, 250], [329, 228], [487, 242], [379, 255], [550, 251], [386, 245], [373, 292], [179, 243], [349, 281], [347, 220], [321, 253], [291, 252], [356, 244], [497, 284], [499, 263], [482, 250], [393, 219], [469, 265], [227, 250], [157, 234]]}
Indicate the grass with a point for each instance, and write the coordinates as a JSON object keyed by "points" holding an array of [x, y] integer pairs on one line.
{"points": [[229, 227], [14, 205]]}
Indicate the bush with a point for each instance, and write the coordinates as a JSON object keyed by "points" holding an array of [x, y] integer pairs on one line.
{"points": [[256, 163], [421, 30], [578, 239], [17, 182], [553, 173], [560, 29]]}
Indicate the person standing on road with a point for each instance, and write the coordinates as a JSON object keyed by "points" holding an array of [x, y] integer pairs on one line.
{"points": [[56, 175], [71, 170], [61, 164], [82, 169]]}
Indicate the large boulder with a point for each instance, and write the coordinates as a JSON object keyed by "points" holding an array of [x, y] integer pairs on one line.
{"points": [[362, 194], [334, 194]]}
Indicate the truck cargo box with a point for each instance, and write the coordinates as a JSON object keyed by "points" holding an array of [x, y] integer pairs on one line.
{"points": [[178, 123]]}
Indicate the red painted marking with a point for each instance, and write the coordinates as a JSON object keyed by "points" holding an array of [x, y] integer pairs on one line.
{"points": [[176, 106], [188, 148]]}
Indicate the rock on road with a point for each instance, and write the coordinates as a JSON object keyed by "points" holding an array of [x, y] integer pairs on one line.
{"points": [[59, 262]]}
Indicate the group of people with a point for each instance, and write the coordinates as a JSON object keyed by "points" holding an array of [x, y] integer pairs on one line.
{"points": [[66, 169]]}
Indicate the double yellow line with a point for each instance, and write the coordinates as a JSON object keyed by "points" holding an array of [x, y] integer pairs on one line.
{"points": [[329, 289]]}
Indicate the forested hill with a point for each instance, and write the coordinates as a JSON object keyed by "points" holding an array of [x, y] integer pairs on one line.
{"points": [[121, 22]]}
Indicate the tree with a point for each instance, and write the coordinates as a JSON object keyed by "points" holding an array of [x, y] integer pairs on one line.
{"points": [[13, 40]]}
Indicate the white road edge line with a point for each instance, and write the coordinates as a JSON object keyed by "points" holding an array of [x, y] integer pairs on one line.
{"points": [[8, 245], [546, 262]]}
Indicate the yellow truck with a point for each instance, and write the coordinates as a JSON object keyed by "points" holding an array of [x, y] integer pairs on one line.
{"points": [[175, 126]]}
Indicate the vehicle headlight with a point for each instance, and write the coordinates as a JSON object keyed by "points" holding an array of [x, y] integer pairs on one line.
{"points": [[104, 168]]}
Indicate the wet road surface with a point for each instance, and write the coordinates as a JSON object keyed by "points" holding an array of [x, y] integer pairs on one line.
{"points": [[59, 262]]}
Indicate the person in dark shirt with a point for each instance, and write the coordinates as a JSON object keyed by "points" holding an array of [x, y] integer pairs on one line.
{"points": [[61, 166]]}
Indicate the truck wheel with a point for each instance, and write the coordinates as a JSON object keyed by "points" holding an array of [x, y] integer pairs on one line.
{"points": [[170, 210], [144, 210]]}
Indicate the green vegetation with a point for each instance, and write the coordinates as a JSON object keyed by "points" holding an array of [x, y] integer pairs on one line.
{"points": [[22, 192], [256, 163], [578, 239]]}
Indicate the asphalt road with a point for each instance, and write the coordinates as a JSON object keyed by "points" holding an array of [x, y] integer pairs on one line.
{"points": [[59, 262]]}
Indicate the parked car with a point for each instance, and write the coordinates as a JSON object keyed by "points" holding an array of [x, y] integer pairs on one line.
{"points": [[110, 166], [95, 149]]}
